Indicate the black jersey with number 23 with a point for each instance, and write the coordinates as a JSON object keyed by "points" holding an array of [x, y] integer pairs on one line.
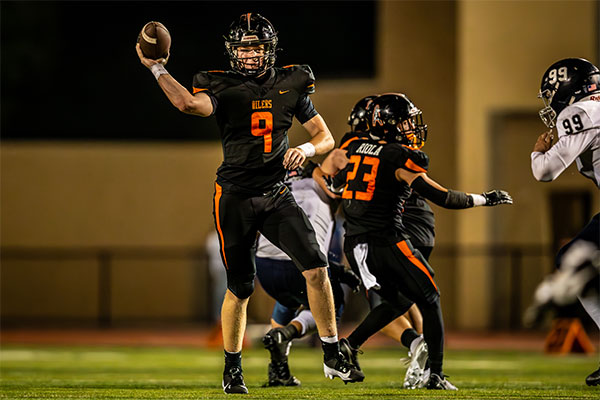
{"points": [[373, 197]]}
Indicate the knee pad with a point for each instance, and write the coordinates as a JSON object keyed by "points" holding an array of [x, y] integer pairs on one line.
{"points": [[242, 289]]}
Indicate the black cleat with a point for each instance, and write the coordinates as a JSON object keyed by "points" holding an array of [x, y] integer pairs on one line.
{"points": [[342, 369], [233, 381], [593, 379], [279, 375], [350, 353], [437, 382], [278, 343]]}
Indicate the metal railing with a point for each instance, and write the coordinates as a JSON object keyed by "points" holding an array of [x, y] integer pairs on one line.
{"points": [[515, 271]]}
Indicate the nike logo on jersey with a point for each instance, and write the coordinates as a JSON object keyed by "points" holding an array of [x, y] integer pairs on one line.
{"points": [[283, 91]]}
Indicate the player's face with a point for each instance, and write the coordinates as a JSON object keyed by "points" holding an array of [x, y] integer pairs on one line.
{"points": [[252, 57], [407, 126]]}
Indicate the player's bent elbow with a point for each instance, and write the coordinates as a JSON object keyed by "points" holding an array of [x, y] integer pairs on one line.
{"points": [[542, 175], [191, 106], [329, 143]]}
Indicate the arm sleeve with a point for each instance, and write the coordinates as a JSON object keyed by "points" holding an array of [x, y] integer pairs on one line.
{"points": [[451, 199]]}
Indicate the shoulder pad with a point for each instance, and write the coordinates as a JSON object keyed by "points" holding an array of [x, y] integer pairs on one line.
{"points": [[576, 119], [303, 77], [209, 81], [412, 160], [350, 137]]}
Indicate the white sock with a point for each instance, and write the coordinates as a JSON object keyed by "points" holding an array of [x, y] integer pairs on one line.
{"points": [[307, 321], [329, 339]]}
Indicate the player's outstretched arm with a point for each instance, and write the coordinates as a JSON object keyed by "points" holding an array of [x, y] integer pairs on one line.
{"points": [[179, 96], [322, 141], [449, 198], [335, 161]]}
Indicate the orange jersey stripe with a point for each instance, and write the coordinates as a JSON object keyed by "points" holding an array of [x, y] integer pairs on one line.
{"points": [[196, 90], [290, 66], [218, 193], [414, 167], [411, 257], [347, 142]]}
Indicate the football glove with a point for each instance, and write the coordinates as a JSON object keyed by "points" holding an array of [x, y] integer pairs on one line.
{"points": [[329, 183], [496, 197]]}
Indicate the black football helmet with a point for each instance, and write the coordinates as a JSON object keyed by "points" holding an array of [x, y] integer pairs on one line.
{"points": [[359, 118], [395, 119], [251, 30], [564, 83]]}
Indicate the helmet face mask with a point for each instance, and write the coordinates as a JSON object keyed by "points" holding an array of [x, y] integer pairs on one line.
{"points": [[564, 83], [395, 119], [547, 114], [251, 44]]}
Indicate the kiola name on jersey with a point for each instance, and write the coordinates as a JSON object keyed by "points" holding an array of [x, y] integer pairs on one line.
{"points": [[370, 149]]}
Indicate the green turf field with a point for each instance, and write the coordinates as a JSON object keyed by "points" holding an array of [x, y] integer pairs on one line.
{"points": [[192, 373]]}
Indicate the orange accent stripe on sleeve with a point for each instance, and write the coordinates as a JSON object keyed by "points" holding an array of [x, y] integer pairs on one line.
{"points": [[411, 257], [290, 66], [311, 85], [414, 167], [347, 142], [196, 90], [218, 193]]}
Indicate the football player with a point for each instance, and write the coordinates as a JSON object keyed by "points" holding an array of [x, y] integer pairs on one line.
{"points": [[570, 90], [379, 176], [419, 223], [291, 317], [254, 104]]}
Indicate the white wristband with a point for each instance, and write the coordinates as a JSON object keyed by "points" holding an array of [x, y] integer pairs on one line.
{"points": [[478, 200], [308, 148], [158, 70]]}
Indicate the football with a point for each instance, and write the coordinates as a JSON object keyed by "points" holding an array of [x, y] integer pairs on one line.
{"points": [[155, 40]]}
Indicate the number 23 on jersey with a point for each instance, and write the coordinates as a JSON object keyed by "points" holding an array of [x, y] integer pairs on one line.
{"points": [[366, 175]]}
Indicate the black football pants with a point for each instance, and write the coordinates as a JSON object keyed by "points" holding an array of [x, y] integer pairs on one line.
{"points": [[238, 219]]}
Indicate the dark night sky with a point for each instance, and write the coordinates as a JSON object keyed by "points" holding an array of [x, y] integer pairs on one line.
{"points": [[69, 69]]}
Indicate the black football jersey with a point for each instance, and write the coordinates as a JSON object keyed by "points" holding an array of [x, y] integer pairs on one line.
{"points": [[254, 115], [373, 198], [419, 220], [350, 137]]}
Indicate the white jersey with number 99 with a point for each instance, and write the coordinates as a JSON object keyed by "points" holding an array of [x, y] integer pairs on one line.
{"points": [[578, 128]]}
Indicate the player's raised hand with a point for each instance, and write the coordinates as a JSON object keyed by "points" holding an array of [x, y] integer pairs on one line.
{"points": [[148, 62], [293, 158], [496, 197], [544, 142]]}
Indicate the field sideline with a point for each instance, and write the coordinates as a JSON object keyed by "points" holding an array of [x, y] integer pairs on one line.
{"points": [[119, 372]]}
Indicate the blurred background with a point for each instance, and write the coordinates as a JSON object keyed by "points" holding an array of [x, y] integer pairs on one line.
{"points": [[106, 189]]}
